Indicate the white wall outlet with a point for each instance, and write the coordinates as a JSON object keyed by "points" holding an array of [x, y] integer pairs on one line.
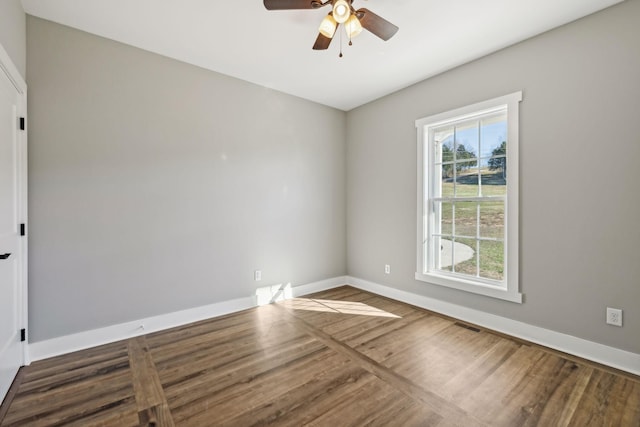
{"points": [[614, 316], [387, 269], [257, 275]]}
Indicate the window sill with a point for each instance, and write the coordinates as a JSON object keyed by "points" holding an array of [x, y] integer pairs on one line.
{"points": [[469, 286]]}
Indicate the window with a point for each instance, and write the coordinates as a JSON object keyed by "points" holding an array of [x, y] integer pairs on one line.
{"points": [[468, 198]]}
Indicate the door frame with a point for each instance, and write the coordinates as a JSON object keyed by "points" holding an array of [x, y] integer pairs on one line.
{"points": [[9, 69]]}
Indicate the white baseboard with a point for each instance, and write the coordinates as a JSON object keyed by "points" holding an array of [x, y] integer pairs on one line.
{"points": [[86, 339], [91, 338], [610, 356]]}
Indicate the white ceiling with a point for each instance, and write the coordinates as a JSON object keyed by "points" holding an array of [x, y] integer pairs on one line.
{"points": [[241, 38]]}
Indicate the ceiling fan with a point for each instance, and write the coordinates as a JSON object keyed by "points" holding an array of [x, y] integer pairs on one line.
{"points": [[342, 12]]}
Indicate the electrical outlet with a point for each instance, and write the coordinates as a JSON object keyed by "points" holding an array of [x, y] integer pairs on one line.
{"points": [[614, 316], [257, 275], [387, 269]]}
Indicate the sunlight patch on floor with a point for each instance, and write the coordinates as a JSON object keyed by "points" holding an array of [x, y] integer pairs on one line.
{"points": [[333, 306]]}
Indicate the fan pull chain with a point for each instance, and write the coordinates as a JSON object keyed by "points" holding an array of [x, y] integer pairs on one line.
{"points": [[340, 56]]}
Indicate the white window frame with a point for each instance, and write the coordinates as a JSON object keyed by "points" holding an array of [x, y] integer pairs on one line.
{"points": [[507, 289]]}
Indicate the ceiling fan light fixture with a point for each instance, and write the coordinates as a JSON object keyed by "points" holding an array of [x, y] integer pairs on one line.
{"points": [[353, 26], [328, 26], [341, 11]]}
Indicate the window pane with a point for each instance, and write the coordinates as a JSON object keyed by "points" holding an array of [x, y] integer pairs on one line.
{"points": [[466, 218], [493, 133], [444, 260], [492, 219], [467, 140], [495, 174], [443, 144], [491, 260], [444, 211], [494, 181], [493, 142], [447, 183], [464, 257], [444, 160], [466, 180]]}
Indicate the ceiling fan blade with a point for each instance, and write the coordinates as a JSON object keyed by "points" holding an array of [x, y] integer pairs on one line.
{"points": [[376, 24], [292, 4], [322, 42]]}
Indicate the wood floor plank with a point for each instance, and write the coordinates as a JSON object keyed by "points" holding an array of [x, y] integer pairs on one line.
{"points": [[245, 320], [45, 369], [449, 349], [11, 393], [359, 323], [150, 399], [220, 346], [370, 406], [303, 404], [76, 392], [398, 341], [114, 385], [526, 383], [315, 314], [54, 410], [69, 374], [469, 376], [359, 337], [608, 400], [123, 416], [562, 403], [242, 374], [271, 387]]}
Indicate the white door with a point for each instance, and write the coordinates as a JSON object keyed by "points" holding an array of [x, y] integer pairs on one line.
{"points": [[11, 246]]}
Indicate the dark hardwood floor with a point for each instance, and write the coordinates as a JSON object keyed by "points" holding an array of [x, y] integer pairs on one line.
{"points": [[343, 357]]}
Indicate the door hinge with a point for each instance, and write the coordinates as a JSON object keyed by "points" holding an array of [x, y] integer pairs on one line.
{"points": [[22, 230], [23, 335], [21, 123]]}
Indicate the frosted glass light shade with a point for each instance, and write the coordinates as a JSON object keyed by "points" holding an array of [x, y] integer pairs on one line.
{"points": [[328, 26], [341, 11], [353, 26]]}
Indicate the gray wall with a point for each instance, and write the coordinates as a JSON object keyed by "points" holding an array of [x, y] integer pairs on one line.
{"points": [[580, 148], [13, 34], [157, 186]]}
